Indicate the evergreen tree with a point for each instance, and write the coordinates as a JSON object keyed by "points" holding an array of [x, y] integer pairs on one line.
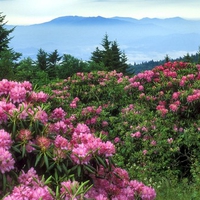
{"points": [[198, 56], [4, 34], [111, 56], [52, 64], [69, 66], [8, 57], [187, 58], [26, 70], [167, 59], [42, 59]]}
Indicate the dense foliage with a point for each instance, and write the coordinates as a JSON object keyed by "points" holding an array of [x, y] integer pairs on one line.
{"points": [[88, 133], [8, 57], [110, 56], [56, 146], [153, 117]]}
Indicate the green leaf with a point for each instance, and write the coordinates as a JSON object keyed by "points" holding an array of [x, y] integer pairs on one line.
{"points": [[56, 175], [48, 180], [79, 170], [57, 192], [16, 149], [23, 150], [4, 182], [101, 161], [65, 168], [58, 167], [51, 167], [38, 159], [90, 169], [46, 160]]}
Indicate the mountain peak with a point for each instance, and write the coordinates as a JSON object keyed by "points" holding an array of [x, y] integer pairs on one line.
{"points": [[79, 20]]}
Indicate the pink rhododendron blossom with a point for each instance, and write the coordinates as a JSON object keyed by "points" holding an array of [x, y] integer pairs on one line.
{"points": [[82, 128], [29, 178], [61, 142], [58, 114], [80, 154], [3, 115], [5, 139], [4, 109], [73, 104], [41, 115], [59, 127], [42, 97], [43, 142], [68, 188], [120, 177], [27, 85], [147, 193], [140, 87], [117, 140], [25, 134], [39, 97], [175, 95], [104, 123], [144, 152], [20, 192], [173, 107], [5, 87], [136, 134], [98, 110], [18, 94], [153, 143], [6, 161], [170, 140], [29, 147], [41, 193], [107, 149]]}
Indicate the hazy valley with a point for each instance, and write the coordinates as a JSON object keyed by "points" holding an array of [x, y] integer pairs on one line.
{"points": [[142, 40]]}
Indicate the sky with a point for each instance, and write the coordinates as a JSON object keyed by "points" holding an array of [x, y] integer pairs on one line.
{"points": [[26, 12]]}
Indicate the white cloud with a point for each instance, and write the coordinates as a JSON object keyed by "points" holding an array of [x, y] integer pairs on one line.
{"points": [[29, 11]]}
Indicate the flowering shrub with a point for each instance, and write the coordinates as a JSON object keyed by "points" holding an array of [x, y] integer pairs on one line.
{"points": [[55, 146], [162, 128], [152, 117]]}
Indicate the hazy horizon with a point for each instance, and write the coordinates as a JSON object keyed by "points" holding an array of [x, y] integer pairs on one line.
{"points": [[20, 12]]}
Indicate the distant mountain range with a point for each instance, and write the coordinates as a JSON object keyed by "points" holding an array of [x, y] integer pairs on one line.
{"points": [[141, 40]]}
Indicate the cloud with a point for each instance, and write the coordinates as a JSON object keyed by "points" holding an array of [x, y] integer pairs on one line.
{"points": [[29, 11]]}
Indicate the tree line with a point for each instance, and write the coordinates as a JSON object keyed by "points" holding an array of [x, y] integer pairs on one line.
{"points": [[51, 66]]}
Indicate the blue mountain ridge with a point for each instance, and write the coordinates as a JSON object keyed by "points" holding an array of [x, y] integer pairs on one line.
{"points": [[141, 39]]}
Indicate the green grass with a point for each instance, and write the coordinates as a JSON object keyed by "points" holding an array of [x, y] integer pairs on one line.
{"points": [[180, 191]]}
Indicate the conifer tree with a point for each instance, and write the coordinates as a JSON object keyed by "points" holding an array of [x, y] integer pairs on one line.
{"points": [[111, 56], [7, 55], [42, 59]]}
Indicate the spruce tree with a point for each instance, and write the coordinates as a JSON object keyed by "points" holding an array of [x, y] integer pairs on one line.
{"points": [[42, 59], [8, 57], [111, 56], [4, 34]]}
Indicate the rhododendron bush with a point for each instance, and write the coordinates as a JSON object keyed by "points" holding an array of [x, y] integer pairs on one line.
{"points": [[100, 135], [152, 117], [55, 145]]}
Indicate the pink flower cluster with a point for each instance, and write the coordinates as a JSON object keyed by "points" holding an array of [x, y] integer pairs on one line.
{"points": [[6, 160], [194, 96], [30, 188], [68, 189], [38, 97], [73, 104], [85, 145], [117, 185], [162, 109], [58, 114]]}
